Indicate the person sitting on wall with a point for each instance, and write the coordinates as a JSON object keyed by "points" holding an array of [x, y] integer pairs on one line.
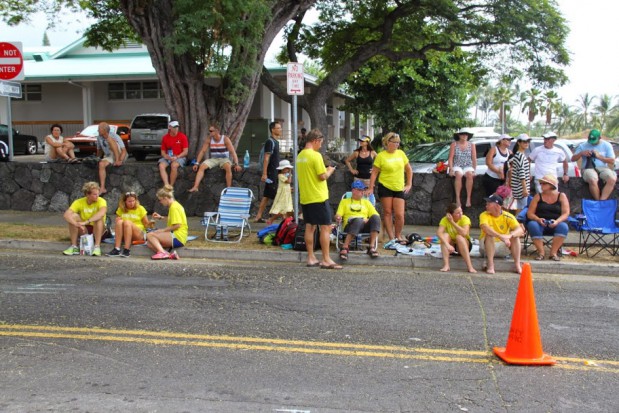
{"points": [[86, 216], [57, 148], [174, 149], [111, 150], [222, 154], [597, 156]]}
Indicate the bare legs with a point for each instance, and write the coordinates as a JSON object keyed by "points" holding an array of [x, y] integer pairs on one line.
{"points": [[458, 187], [447, 247], [102, 175], [173, 172], [227, 167]]}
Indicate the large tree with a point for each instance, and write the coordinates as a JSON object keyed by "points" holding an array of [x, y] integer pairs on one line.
{"points": [[519, 38]]}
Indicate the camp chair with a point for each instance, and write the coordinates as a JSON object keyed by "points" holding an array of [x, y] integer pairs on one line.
{"points": [[527, 241], [231, 220], [362, 240], [597, 227]]}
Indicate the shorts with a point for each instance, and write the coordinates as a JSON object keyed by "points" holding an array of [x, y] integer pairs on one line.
{"points": [[213, 162], [356, 226], [384, 192], [270, 190], [463, 170], [500, 249], [175, 242], [467, 240], [319, 213], [181, 161], [603, 172], [109, 159]]}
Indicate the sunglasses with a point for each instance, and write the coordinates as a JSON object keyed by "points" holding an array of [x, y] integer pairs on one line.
{"points": [[355, 207], [130, 194]]}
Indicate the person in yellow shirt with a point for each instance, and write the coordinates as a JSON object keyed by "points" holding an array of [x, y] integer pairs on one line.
{"points": [[454, 235], [312, 175], [358, 215], [131, 223], [500, 234], [388, 173], [86, 216], [174, 235]]}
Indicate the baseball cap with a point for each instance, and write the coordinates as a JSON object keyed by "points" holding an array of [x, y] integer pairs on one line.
{"points": [[494, 198], [549, 135], [173, 124], [364, 138], [594, 136], [358, 185], [505, 136], [523, 137]]}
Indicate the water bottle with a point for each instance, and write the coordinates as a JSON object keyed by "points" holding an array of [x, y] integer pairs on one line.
{"points": [[268, 181], [170, 153], [246, 160], [218, 233], [225, 233]]}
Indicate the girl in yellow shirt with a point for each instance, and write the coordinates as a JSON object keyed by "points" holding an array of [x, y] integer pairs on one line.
{"points": [[131, 224]]}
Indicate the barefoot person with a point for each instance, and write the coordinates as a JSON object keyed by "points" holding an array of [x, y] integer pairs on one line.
{"points": [[500, 234], [57, 148], [222, 155], [454, 235]]}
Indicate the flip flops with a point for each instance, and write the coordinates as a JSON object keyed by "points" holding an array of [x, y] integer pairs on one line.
{"points": [[344, 254], [372, 252], [331, 267]]}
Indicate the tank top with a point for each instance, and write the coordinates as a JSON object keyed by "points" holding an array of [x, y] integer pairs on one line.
{"points": [[50, 148], [498, 161], [364, 166], [463, 157], [548, 211], [218, 148]]}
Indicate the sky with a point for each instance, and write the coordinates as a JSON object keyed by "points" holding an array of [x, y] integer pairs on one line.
{"points": [[592, 44]]}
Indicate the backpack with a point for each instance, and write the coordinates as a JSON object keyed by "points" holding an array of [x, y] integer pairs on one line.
{"points": [[285, 232], [261, 156], [264, 232], [299, 238]]}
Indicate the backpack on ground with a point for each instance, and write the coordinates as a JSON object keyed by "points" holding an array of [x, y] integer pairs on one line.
{"points": [[270, 229], [261, 156], [286, 231], [299, 238]]}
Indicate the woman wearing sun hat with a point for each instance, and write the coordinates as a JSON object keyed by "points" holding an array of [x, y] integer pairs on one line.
{"points": [[547, 215], [462, 163], [364, 156]]}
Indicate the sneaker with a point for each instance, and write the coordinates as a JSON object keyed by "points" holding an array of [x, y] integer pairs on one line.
{"points": [[96, 252], [174, 256], [114, 253], [126, 253], [72, 250], [160, 256]]}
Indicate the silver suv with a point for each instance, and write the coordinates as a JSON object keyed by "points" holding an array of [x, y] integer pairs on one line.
{"points": [[146, 133], [423, 158]]}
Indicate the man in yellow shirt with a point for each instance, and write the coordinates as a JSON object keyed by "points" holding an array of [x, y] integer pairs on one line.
{"points": [[314, 198], [358, 215], [86, 216], [500, 234]]}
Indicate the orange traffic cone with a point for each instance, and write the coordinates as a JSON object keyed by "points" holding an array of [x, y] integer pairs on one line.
{"points": [[524, 344]]}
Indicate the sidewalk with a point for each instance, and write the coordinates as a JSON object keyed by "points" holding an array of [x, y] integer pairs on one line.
{"points": [[223, 252]]}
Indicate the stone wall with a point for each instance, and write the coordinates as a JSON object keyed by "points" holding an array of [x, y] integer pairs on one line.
{"points": [[51, 187]]}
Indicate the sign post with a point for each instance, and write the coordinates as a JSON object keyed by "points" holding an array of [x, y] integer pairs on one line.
{"points": [[296, 86], [11, 68]]}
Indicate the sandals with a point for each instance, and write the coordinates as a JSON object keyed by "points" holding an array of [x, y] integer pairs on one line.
{"points": [[540, 257], [344, 254], [554, 258], [372, 252]]}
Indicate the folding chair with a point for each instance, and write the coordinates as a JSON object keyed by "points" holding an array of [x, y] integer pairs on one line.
{"points": [[597, 227], [526, 241], [362, 240], [231, 220]]}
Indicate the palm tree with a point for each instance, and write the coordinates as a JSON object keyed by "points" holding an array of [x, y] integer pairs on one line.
{"points": [[532, 101], [503, 98], [551, 105], [603, 110], [584, 102]]}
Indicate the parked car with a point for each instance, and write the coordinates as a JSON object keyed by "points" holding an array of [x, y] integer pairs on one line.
{"points": [[86, 141], [423, 158], [146, 133], [22, 144]]}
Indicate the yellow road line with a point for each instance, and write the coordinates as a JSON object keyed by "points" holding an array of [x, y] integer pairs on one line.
{"points": [[280, 345]]}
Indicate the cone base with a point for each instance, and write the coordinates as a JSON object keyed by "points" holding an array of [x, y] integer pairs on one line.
{"points": [[544, 360]]}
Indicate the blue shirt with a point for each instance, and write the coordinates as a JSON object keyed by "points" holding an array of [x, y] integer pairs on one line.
{"points": [[603, 147]]}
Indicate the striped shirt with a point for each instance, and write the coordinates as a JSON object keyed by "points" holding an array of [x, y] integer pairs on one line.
{"points": [[218, 148], [521, 169]]}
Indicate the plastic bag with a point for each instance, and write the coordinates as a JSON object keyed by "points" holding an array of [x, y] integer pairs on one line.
{"points": [[87, 244]]}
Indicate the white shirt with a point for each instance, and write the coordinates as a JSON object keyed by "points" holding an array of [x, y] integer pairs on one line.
{"points": [[546, 160]]}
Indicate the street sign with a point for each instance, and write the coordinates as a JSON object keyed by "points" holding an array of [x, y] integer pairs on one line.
{"points": [[296, 79], [11, 61], [10, 89]]}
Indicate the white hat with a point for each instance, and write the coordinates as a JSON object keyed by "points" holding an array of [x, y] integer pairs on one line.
{"points": [[284, 164], [173, 124]]}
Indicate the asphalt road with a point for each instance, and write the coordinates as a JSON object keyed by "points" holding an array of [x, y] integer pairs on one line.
{"points": [[111, 335]]}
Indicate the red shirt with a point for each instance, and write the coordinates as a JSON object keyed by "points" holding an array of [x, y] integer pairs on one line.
{"points": [[177, 143]]}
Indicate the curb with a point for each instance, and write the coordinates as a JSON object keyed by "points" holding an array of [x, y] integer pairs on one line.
{"points": [[355, 259]]}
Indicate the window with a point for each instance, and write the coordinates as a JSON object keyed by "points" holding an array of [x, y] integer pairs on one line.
{"points": [[134, 90], [30, 93]]}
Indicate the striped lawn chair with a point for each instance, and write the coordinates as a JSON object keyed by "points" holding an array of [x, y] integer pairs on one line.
{"points": [[231, 221]]}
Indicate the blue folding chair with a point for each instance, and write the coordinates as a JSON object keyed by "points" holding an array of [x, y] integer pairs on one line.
{"points": [[597, 227], [362, 240], [231, 221]]}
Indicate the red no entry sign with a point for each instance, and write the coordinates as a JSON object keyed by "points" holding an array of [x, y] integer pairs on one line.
{"points": [[11, 61]]}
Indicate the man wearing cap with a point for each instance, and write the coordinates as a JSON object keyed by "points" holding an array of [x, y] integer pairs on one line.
{"points": [[500, 234], [314, 198], [111, 150], [269, 168], [174, 150], [222, 154], [597, 155], [357, 215], [546, 158]]}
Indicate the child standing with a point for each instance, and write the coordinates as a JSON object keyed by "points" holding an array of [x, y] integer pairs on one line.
{"points": [[282, 204]]}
